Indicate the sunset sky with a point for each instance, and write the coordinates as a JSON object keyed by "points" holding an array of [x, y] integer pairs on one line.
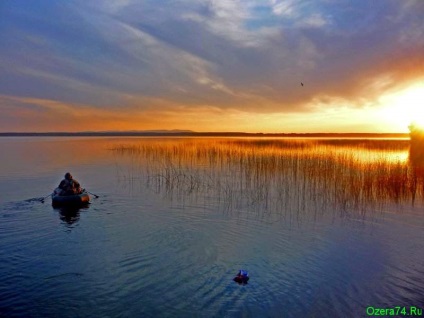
{"points": [[211, 65]]}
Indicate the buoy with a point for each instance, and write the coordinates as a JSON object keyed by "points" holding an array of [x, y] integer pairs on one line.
{"points": [[242, 277]]}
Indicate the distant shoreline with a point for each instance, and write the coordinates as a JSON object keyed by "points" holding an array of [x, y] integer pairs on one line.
{"points": [[200, 134]]}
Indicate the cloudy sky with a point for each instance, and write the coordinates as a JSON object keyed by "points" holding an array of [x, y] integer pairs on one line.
{"points": [[211, 65]]}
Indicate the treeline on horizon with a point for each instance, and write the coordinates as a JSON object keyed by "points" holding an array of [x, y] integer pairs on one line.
{"points": [[417, 143], [197, 134]]}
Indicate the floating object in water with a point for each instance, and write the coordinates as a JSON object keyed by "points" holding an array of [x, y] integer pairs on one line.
{"points": [[70, 200], [242, 277]]}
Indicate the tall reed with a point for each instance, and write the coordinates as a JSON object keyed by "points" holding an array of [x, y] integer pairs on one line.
{"points": [[287, 176]]}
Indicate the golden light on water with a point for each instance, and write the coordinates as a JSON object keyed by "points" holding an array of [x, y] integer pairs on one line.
{"points": [[367, 156]]}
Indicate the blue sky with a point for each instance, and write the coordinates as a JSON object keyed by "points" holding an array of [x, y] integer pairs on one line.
{"points": [[209, 64]]}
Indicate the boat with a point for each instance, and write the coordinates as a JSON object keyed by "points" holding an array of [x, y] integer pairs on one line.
{"points": [[70, 200]]}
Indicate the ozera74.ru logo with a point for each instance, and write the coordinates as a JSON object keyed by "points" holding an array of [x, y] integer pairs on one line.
{"points": [[395, 311]]}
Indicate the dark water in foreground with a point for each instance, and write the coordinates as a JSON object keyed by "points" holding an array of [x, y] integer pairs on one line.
{"points": [[151, 248]]}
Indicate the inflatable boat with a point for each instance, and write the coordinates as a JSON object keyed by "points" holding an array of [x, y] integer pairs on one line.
{"points": [[70, 200]]}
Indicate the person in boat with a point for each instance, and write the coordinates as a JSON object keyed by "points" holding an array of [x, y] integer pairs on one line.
{"points": [[69, 185]]}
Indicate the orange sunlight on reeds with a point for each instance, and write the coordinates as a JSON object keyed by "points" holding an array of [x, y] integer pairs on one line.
{"points": [[304, 177]]}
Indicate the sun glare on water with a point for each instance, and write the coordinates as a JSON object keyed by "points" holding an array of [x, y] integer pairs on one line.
{"points": [[404, 107]]}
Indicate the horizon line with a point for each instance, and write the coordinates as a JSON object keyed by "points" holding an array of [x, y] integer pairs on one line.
{"points": [[176, 132]]}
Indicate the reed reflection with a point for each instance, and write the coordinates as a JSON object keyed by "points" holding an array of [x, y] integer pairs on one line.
{"points": [[289, 177]]}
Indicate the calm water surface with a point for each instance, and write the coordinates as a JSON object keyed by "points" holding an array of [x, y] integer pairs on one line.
{"points": [[173, 226]]}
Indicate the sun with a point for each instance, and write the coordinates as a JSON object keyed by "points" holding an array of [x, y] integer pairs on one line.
{"points": [[405, 107]]}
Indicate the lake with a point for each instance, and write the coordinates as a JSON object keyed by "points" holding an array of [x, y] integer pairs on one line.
{"points": [[325, 227]]}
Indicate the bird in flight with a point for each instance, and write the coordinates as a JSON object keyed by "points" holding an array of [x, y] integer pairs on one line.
{"points": [[301, 83]]}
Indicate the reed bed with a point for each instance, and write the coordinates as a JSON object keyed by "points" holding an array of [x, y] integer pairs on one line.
{"points": [[300, 178]]}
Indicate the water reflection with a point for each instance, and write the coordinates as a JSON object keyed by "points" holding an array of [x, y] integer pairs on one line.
{"points": [[294, 179], [70, 215]]}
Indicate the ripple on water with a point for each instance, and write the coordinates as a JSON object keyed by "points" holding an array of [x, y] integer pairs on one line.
{"points": [[130, 256]]}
